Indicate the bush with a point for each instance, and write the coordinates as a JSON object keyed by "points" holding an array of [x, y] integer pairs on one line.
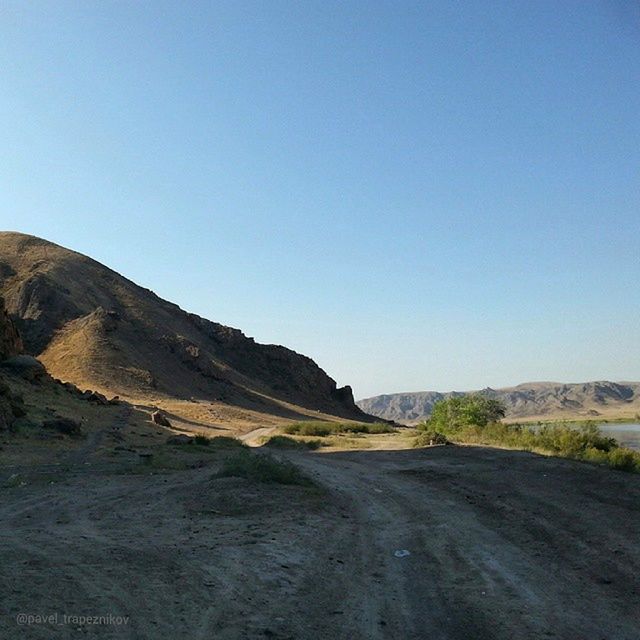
{"points": [[217, 442], [285, 442], [379, 427], [624, 459], [320, 429], [572, 441], [226, 442], [429, 438], [323, 429], [458, 412], [583, 442], [263, 468], [596, 456]]}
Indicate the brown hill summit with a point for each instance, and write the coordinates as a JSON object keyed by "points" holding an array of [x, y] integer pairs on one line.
{"points": [[93, 327], [528, 401]]}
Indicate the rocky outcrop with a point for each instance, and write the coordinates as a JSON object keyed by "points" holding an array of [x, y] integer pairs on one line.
{"points": [[10, 342], [11, 407]]}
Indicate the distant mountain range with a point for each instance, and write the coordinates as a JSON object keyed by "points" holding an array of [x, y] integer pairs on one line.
{"points": [[528, 401]]}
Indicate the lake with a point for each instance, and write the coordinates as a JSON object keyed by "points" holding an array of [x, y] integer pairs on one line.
{"points": [[628, 435]]}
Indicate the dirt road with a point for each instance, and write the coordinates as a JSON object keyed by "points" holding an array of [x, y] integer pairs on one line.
{"points": [[500, 544]]}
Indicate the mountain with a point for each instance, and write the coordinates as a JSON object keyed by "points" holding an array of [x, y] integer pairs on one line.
{"points": [[528, 401], [91, 326]]}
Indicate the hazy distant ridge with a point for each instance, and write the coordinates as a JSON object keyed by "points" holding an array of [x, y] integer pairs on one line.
{"points": [[527, 401]]}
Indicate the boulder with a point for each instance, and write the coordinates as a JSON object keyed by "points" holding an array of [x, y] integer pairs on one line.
{"points": [[159, 418]]}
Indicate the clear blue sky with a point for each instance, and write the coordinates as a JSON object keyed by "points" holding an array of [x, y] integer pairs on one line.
{"points": [[427, 195]]}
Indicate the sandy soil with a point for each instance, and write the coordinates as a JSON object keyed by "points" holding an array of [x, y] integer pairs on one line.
{"points": [[501, 544]]}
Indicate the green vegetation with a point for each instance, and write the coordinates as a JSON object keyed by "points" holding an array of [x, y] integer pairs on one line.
{"points": [[226, 442], [463, 411], [323, 429], [262, 467], [285, 442], [429, 438], [201, 440], [475, 422]]}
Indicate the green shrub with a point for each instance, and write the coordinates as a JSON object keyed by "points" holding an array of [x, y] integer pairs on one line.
{"points": [[320, 429], [596, 456], [429, 438], [285, 442], [217, 442], [379, 427], [572, 441], [323, 429], [624, 459], [263, 467], [583, 442], [458, 412], [226, 442]]}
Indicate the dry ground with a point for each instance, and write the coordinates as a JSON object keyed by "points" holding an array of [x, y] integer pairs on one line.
{"points": [[501, 544]]}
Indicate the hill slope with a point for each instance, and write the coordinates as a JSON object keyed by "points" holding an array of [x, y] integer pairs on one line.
{"points": [[93, 327], [532, 400]]}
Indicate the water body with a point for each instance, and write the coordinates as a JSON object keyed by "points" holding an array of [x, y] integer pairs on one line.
{"points": [[628, 435]]}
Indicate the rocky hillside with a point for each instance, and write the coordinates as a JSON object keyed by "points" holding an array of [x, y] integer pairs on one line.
{"points": [[10, 342], [93, 327], [532, 400], [10, 347]]}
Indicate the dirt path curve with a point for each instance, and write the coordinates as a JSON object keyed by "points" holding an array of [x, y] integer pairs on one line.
{"points": [[254, 438]]}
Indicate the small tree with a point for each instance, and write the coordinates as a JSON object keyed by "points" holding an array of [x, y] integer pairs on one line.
{"points": [[457, 412]]}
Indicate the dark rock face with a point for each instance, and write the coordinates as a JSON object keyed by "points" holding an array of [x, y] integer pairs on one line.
{"points": [[10, 342], [11, 405]]}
